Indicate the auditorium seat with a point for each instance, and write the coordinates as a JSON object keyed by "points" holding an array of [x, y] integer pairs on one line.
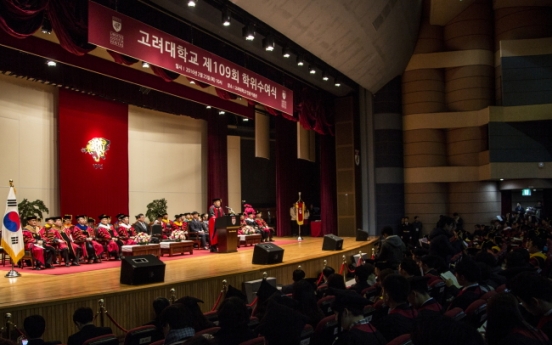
{"points": [[401, 340], [325, 331], [253, 322], [501, 288], [368, 312], [255, 341], [370, 292], [108, 339], [212, 315], [488, 295], [142, 335], [159, 342], [456, 314], [476, 313], [307, 334], [211, 331], [325, 304], [378, 304]]}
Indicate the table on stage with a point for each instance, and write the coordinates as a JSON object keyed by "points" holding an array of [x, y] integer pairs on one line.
{"points": [[316, 228], [138, 249]]}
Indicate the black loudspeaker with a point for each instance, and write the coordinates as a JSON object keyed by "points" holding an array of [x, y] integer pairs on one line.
{"points": [[142, 269], [332, 242], [361, 235], [267, 253]]}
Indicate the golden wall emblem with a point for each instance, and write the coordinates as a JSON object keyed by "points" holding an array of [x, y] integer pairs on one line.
{"points": [[97, 148]]}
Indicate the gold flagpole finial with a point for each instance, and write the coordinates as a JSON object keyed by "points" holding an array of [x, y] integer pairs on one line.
{"points": [[11, 183]]}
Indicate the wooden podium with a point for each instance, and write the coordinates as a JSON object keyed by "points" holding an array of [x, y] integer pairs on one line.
{"points": [[227, 230]]}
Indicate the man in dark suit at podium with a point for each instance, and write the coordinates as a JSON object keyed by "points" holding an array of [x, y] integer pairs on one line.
{"points": [[83, 319], [215, 211]]}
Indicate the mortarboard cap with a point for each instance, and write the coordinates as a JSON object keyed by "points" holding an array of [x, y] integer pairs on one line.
{"points": [[67, 217], [233, 292], [216, 199], [348, 299], [103, 216], [30, 218]]}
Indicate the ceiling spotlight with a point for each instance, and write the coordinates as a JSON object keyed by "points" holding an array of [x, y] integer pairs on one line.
{"points": [[46, 26], [192, 81], [501, 179], [208, 107], [248, 32], [312, 70], [51, 63], [192, 3], [286, 52], [226, 17], [222, 112], [268, 43], [300, 61], [145, 65], [325, 77], [245, 119], [337, 83]]}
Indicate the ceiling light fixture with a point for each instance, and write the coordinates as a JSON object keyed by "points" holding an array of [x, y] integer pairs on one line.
{"points": [[300, 61], [145, 65], [286, 52], [245, 119], [226, 17], [325, 77], [312, 70], [192, 3], [222, 112], [51, 63], [268, 43], [337, 83], [208, 107], [192, 81], [248, 32]]}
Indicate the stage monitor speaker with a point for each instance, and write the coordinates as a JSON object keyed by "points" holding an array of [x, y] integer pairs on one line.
{"points": [[332, 242], [361, 235], [251, 287], [267, 253], [142, 269]]}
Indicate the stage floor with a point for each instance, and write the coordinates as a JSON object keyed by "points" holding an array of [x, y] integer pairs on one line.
{"points": [[195, 275]]}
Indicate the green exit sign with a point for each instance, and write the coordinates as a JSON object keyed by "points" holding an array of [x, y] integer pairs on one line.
{"points": [[526, 192]]}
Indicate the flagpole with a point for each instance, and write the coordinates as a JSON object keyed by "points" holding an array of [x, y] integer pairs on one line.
{"points": [[299, 238], [12, 273]]}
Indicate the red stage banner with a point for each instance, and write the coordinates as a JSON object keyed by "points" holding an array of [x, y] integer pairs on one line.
{"points": [[112, 30], [93, 155]]}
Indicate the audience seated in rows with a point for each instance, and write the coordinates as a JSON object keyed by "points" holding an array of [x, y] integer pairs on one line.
{"points": [[83, 318]]}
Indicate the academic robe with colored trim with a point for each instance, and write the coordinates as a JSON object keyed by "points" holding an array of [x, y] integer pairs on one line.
{"points": [[103, 235], [68, 231], [214, 213], [88, 232], [399, 321], [365, 334], [125, 233], [31, 245], [53, 237]]}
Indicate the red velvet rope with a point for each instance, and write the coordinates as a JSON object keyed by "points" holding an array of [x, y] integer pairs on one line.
{"points": [[115, 323], [254, 302], [217, 302], [342, 268], [320, 278]]}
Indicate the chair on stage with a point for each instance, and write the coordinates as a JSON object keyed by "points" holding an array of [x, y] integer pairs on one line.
{"points": [[142, 335], [108, 339]]}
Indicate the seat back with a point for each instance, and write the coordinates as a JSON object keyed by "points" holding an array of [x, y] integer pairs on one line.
{"points": [[476, 313], [501, 288], [211, 330], [306, 335], [488, 295], [143, 335], [212, 316], [253, 322], [456, 314], [371, 292], [158, 342], [401, 340], [108, 339], [326, 331], [325, 304], [437, 291], [255, 341]]}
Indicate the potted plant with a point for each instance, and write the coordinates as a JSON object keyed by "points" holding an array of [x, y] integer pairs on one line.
{"points": [[31, 208], [155, 208]]}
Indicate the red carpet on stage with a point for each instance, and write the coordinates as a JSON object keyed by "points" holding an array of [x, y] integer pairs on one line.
{"points": [[61, 270]]}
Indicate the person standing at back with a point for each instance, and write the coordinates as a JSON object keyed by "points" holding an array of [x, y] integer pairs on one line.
{"points": [[392, 248]]}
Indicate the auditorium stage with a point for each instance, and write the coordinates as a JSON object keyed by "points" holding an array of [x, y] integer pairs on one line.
{"points": [[57, 296]]}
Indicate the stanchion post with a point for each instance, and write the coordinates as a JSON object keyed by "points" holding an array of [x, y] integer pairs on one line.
{"points": [[102, 312], [173, 295]]}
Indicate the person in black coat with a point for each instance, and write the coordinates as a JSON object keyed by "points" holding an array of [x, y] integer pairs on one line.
{"points": [[233, 321], [440, 239], [83, 319], [468, 275]]}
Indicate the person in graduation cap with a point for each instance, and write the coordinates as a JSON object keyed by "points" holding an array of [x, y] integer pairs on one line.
{"points": [[281, 325], [125, 231], [419, 297], [197, 227], [103, 236], [348, 307], [84, 236], [75, 251], [166, 223], [263, 227], [51, 236], [177, 224], [215, 211]]}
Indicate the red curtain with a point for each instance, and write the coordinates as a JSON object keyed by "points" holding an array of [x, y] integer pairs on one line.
{"points": [[86, 188], [217, 158], [21, 18], [328, 190], [286, 173]]}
